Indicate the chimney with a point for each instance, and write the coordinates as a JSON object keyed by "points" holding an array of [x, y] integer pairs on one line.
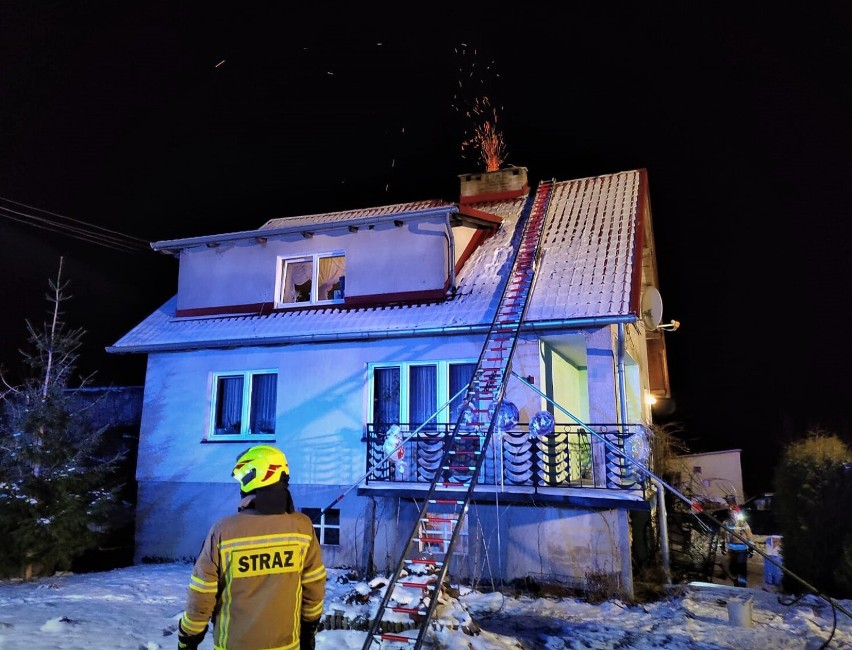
{"points": [[508, 183]]}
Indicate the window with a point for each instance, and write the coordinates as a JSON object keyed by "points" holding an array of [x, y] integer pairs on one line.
{"points": [[327, 526], [413, 392], [244, 405], [435, 532], [311, 279]]}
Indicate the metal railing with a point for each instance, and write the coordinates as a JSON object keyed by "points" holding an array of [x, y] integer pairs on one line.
{"points": [[568, 457]]}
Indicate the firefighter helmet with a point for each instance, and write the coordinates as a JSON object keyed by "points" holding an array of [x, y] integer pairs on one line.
{"points": [[260, 466]]}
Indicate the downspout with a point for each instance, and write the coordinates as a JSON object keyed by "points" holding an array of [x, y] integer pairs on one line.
{"points": [[658, 486], [451, 261], [626, 555], [664, 528]]}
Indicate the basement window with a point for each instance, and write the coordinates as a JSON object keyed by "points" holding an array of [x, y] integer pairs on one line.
{"points": [[436, 531], [311, 279], [244, 405], [327, 526]]}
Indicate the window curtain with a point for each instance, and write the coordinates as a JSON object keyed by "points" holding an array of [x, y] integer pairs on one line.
{"points": [[385, 397], [263, 397], [331, 269], [422, 393], [297, 281], [460, 376], [229, 404]]}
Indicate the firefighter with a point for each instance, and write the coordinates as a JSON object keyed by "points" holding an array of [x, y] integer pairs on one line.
{"points": [[259, 577], [735, 530]]}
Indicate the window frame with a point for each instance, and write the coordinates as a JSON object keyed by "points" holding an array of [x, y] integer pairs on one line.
{"points": [[324, 525], [403, 367], [314, 258], [428, 530], [245, 409]]}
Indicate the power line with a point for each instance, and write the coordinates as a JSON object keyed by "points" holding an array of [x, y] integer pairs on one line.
{"points": [[73, 228]]}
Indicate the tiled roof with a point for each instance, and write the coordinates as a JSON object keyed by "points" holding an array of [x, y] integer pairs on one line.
{"points": [[585, 270], [350, 215]]}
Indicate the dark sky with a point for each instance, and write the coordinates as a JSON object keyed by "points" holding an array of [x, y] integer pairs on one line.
{"points": [[161, 120]]}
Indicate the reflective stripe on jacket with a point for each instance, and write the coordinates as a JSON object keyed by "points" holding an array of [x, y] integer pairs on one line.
{"points": [[257, 577], [741, 528]]}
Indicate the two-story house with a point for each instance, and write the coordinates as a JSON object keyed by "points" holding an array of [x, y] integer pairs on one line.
{"points": [[319, 333]]}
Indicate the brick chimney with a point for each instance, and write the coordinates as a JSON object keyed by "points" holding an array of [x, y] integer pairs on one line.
{"points": [[506, 183]]}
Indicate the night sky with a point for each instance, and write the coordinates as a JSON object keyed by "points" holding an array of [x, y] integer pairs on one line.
{"points": [[160, 120]]}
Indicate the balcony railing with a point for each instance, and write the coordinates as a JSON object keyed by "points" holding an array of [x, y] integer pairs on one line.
{"points": [[569, 457]]}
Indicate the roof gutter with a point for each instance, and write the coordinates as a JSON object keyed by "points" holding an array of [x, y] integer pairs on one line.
{"points": [[536, 326]]}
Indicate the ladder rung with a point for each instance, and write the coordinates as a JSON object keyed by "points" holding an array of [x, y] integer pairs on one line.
{"points": [[408, 610], [398, 638], [457, 502], [430, 540], [417, 585], [423, 560]]}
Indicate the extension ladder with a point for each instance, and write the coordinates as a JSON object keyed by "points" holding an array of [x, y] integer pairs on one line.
{"points": [[430, 545]]}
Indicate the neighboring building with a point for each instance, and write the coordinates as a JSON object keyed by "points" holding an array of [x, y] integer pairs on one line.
{"points": [[317, 333], [712, 476]]}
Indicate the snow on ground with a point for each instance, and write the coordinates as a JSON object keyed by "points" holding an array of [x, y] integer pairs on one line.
{"points": [[137, 608]]}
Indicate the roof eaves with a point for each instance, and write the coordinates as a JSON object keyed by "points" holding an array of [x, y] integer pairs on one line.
{"points": [[173, 246]]}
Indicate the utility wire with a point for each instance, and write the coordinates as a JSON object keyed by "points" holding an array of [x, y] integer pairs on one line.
{"points": [[72, 227]]}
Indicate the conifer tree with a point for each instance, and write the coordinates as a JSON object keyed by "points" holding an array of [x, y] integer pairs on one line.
{"points": [[57, 490]]}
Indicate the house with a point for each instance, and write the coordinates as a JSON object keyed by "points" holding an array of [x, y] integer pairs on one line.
{"points": [[712, 476], [319, 333]]}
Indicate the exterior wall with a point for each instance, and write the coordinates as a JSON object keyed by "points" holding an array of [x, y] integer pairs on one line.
{"points": [[517, 541], [564, 381], [244, 272], [320, 424], [638, 384], [184, 483]]}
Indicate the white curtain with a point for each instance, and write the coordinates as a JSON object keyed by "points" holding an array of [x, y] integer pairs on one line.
{"points": [[297, 281], [331, 269]]}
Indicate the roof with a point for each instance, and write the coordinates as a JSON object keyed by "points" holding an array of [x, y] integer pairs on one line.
{"points": [[585, 273], [314, 222]]}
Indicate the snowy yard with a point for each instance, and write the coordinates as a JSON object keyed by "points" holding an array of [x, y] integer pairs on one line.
{"points": [[137, 608]]}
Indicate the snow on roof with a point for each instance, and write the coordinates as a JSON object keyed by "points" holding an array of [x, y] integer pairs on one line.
{"points": [[585, 270], [350, 215]]}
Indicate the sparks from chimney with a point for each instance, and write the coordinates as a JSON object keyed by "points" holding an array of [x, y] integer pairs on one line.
{"points": [[483, 136], [486, 138]]}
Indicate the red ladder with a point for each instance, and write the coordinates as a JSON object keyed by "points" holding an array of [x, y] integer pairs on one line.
{"points": [[438, 526]]}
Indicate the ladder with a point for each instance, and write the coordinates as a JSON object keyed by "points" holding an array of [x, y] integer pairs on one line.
{"points": [[443, 513]]}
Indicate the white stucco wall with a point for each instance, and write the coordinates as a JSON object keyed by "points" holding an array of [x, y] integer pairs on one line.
{"points": [[244, 271], [518, 541], [185, 485]]}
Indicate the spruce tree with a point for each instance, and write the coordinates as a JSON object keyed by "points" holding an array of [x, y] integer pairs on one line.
{"points": [[57, 488]]}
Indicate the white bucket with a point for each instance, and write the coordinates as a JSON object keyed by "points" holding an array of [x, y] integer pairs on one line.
{"points": [[740, 612]]}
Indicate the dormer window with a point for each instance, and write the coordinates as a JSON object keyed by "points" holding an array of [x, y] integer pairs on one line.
{"points": [[311, 279]]}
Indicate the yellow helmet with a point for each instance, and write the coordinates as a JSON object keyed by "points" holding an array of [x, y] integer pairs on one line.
{"points": [[260, 466]]}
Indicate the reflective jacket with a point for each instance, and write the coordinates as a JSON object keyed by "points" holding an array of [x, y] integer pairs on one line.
{"points": [[257, 577], [740, 527]]}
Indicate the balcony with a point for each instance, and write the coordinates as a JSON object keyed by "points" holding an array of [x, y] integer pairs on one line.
{"points": [[568, 465]]}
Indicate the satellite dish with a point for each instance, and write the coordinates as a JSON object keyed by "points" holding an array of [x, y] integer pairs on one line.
{"points": [[652, 307]]}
